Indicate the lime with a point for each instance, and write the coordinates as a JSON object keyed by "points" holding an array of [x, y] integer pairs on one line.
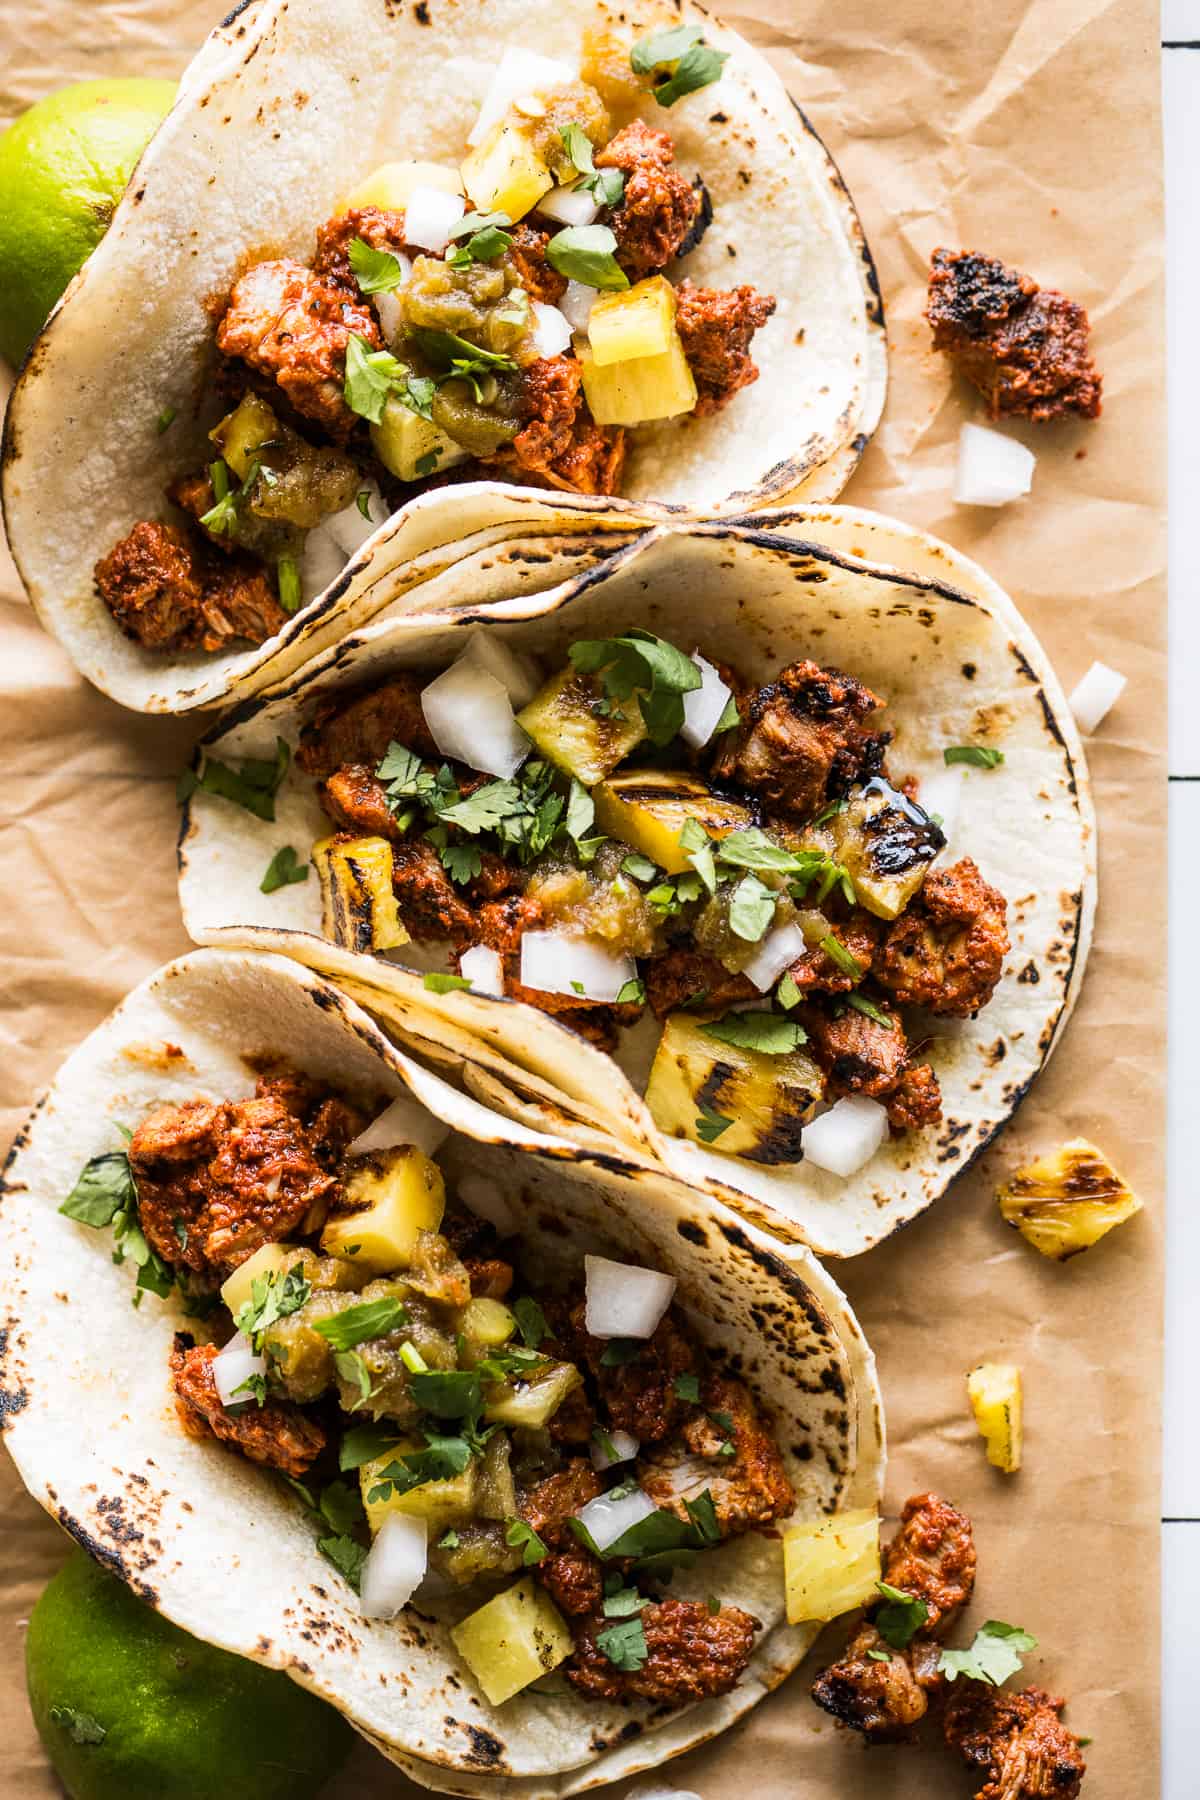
{"points": [[131, 1708], [63, 167]]}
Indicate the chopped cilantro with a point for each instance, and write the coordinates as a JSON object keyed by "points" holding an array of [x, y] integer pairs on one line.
{"points": [[642, 664], [844, 959], [346, 1555], [449, 1540], [254, 1387], [869, 1010], [681, 49], [710, 1124], [787, 993], [252, 785], [485, 238], [621, 1602], [761, 1031], [371, 376], [447, 1393], [272, 1297], [287, 576], [427, 464], [340, 1505], [103, 1189], [687, 1387], [978, 756], [358, 1324], [713, 1603], [640, 867], [606, 185], [586, 253], [995, 1654], [80, 1727], [703, 1515], [753, 849], [879, 1655], [376, 271], [632, 992], [531, 1321], [751, 909], [729, 718], [898, 1622], [166, 419], [442, 1458], [624, 1644], [282, 870], [355, 1373], [517, 1534], [366, 1442], [363, 502], [619, 1351]]}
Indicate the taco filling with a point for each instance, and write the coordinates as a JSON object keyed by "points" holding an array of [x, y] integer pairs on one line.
{"points": [[504, 317], [453, 1425], [647, 831]]}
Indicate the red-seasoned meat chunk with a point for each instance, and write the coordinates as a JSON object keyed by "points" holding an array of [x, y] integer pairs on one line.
{"points": [[681, 975], [381, 229], [527, 253], [360, 727], [883, 1695], [217, 1180], [637, 1396], [749, 1487], [358, 803], [859, 1055], [916, 1100], [276, 1433], [1024, 347], [501, 924], [716, 326], [691, 1654], [436, 909], [1016, 1741], [561, 446], [166, 591], [333, 1123], [570, 1573], [816, 972], [659, 207], [289, 324], [801, 740], [946, 950]]}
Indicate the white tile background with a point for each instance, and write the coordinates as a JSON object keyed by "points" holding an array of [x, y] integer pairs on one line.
{"points": [[1181, 1474]]}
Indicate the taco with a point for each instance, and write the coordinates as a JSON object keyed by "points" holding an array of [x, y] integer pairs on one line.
{"points": [[429, 1421], [798, 846], [424, 253]]}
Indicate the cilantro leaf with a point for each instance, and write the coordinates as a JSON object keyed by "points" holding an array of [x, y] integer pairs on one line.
{"points": [[355, 1373], [624, 1644], [978, 756], [787, 993], [531, 1321], [621, 1602], [753, 849], [687, 1387], [252, 785], [366, 1442], [751, 909], [757, 1031], [486, 238], [376, 271], [447, 1393], [729, 718], [80, 1727], [703, 1514], [899, 1621], [442, 1458], [449, 1540], [283, 870], [370, 377], [842, 958], [533, 1549], [619, 1351], [659, 47], [632, 992], [346, 1556], [995, 1654], [103, 1189], [586, 253], [438, 983], [287, 580], [697, 68], [869, 1010], [359, 1324], [340, 1505], [640, 867], [272, 1297], [710, 1124], [462, 862]]}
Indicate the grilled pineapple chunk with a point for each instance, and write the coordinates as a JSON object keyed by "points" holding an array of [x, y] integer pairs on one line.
{"points": [[532, 1403], [644, 388], [766, 1099], [442, 1503], [563, 722], [246, 429], [358, 902], [830, 1566], [994, 1390], [404, 442], [505, 173], [390, 185], [638, 322], [650, 809], [389, 1197], [271, 1261], [885, 842], [487, 1323], [518, 1637], [1066, 1202]]}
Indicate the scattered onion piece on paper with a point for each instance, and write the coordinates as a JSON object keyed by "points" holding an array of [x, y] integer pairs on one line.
{"points": [[1094, 697], [992, 469]]}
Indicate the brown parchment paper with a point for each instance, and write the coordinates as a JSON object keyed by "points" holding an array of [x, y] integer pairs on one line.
{"points": [[1029, 129]]}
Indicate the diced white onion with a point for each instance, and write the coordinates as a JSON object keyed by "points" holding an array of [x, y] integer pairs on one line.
{"points": [[1099, 690], [992, 469], [624, 1444], [235, 1364], [387, 305], [550, 331], [606, 1520], [520, 72], [623, 1299], [349, 529], [484, 1199], [570, 206], [471, 718], [941, 793], [576, 304], [483, 969], [395, 1565], [554, 963], [517, 674], [702, 708], [405, 1121], [430, 216], [845, 1137], [321, 561], [777, 952]]}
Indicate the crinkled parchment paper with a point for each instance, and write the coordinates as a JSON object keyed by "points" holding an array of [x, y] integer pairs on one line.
{"points": [[1025, 128]]}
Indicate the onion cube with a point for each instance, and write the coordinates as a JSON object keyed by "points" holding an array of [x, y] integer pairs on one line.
{"points": [[430, 217], [483, 969], [233, 1366], [845, 1137], [471, 718], [702, 708], [623, 1299], [321, 560], [1093, 697], [777, 952], [576, 304], [551, 330], [517, 674], [520, 72], [569, 205], [395, 1565], [405, 1121], [623, 1445], [349, 528], [606, 1520], [387, 306], [992, 469], [554, 963]]}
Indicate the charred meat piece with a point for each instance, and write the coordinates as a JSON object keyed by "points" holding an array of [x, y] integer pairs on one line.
{"points": [[659, 207], [168, 592], [916, 1100], [637, 1396], [570, 1573], [932, 1558], [381, 229], [217, 1180], [816, 972], [682, 975], [276, 1433], [801, 740], [289, 324], [359, 729], [749, 1487], [715, 327], [333, 1123], [432, 908], [946, 952], [691, 1654], [357, 802], [527, 253], [561, 446], [1024, 347], [501, 924], [1017, 1741], [859, 1055]]}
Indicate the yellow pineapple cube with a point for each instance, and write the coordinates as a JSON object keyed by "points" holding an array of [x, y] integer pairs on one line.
{"points": [[389, 1196], [442, 1503], [994, 1390], [390, 185], [831, 1566], [518, 1637], [638, 322], [505, 173], [564, 722], [645, 388], [1067, 1201], [358, 900], [729, 1098], [648, 811]]}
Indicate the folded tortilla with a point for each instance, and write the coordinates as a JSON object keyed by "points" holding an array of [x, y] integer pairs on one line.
{"points": [[955, 663], [219, 1544], [287, 106]]}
